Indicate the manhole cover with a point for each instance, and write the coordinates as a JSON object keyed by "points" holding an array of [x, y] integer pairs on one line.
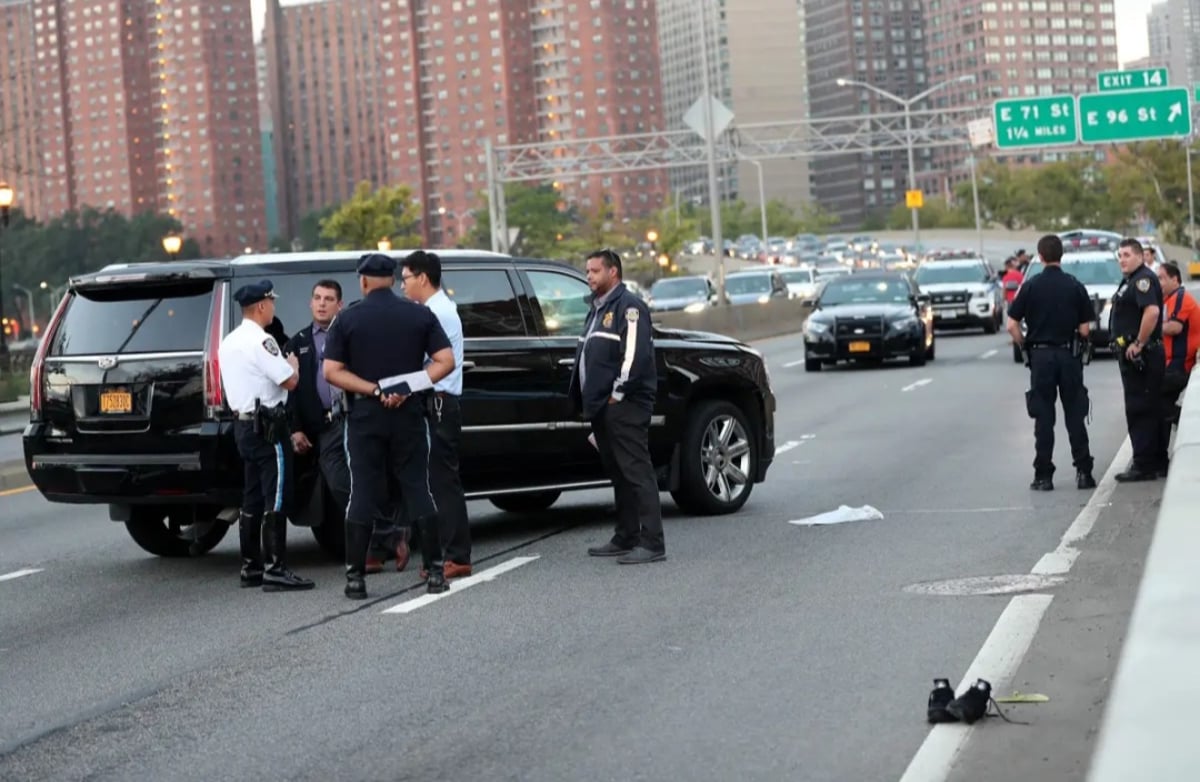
{"points": [[985, 585]]}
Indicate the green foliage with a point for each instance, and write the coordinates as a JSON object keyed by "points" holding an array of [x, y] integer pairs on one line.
{"points": [[371, 215], [935, 214], [739, 218], [535, 211]]}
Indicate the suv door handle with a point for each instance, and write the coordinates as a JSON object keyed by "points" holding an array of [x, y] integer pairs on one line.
{"points": [[467, 366], [566, 362]]}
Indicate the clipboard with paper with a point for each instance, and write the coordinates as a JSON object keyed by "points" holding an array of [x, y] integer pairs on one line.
{"points": [[406, 384]]}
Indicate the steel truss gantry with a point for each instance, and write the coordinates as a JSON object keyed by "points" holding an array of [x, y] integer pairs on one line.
{"points": [[571, 159]]}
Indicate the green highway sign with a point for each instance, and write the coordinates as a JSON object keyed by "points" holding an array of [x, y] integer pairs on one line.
{"points": [[1135, 115], [1035, 122], [1146, 78]]}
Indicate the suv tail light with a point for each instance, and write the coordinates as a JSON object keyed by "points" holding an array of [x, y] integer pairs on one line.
{"points": [[36, 373], [214, 398]]}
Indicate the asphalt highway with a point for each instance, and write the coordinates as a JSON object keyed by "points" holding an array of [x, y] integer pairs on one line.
{"points": [[759, 651]]}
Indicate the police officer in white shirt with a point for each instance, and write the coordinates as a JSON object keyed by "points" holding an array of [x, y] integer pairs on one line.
{"points": [[257, 379]]}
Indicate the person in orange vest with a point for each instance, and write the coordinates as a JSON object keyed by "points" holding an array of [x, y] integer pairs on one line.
{"points": [[1181, 340]]}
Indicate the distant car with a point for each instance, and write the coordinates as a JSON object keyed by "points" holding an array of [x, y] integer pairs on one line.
{"points": [[869, 316], [965, 292], [754, 287], [801, 283], [690, 294], [1100, 273]]}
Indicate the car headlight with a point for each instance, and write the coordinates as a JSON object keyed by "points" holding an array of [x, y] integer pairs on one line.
{"points": [[815, 327], [763, 299], [907, 322], [695, 306]]}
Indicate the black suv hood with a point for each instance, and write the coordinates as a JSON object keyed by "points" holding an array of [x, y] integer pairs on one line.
{"points": [[695, 336], [869, 309]]}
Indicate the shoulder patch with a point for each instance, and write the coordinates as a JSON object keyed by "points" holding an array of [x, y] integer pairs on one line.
{"points": [[607, 321], [272, 348], [631, 314], [1143, 284]]}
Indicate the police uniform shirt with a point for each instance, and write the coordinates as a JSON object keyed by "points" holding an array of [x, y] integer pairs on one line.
{"points": [[384, 335], [1053, 305], [1139, 290], [252, 367]]}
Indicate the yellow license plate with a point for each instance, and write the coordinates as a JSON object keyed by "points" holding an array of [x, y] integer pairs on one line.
{"points": [[116, 402], [860, 347]]}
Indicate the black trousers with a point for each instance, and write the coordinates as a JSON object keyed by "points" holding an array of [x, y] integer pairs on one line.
{"points": [[331, 456], [1055, 372], [1144, 409], [623, 438], [267, 478]]}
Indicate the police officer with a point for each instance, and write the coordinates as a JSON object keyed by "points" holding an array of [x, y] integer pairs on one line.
{"points": [[1058, 314], [379, 338], [614, 385], [257, 379], [1136, 327]]}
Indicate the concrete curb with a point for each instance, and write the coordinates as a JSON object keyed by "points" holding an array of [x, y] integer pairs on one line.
{"points": [[1146, 733], [13, 475]]}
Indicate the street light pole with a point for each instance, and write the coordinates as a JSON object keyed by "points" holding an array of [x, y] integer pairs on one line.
{"points": [[912, 172], [975, 198], [762, 198], [1191, 201], [710, 141]]}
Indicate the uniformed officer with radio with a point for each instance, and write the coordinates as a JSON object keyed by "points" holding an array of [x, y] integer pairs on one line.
{"points": [[1136, 328], [1058, 314], [371, 345], [257, 379]]}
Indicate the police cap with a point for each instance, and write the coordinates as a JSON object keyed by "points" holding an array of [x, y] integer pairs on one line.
{"points": [[377, 265], [254, 292]]}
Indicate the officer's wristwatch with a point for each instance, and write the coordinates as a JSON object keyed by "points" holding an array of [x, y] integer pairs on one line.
{"points": [[377, 392]]}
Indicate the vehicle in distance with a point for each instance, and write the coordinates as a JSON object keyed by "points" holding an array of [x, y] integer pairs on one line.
{"points": [[754, 287], [690, 294], [964, 290], [1100, 273], [869, 316], [802, 283], [127, 407]]}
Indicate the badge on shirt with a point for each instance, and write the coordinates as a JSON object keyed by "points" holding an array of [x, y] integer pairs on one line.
{"points": [[1143, 284], [272, 348], [607, 321], [631, 315]]}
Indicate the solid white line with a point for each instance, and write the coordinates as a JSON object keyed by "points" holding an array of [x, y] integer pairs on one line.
{"points": [[1013, 634], [789, 445], [791, 364], [460, 584], [20, 573], [996, 662], [922, 382], [989, 354]]}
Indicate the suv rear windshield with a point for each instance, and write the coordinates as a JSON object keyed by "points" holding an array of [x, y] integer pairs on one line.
{"points": [[134, 319]]}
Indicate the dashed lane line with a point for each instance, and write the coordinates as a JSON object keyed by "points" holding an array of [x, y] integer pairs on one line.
{"points": [[458, 585], [20, 573], [989, 353], [18, 490], [791, 364], [922, 382], [789, 445]]}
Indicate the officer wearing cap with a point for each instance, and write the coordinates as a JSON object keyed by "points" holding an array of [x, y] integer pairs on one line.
{"points": [[257, 379], [1136, 327], [376, 341], [1058, 314]]}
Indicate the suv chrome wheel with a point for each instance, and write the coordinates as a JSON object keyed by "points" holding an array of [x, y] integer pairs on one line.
{"points": [[725, 454], [718, 459]]}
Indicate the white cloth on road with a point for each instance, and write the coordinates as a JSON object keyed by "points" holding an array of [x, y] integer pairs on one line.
{"points": [[843, 514]]}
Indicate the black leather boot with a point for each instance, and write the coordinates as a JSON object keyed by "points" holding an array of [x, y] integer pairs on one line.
{"points": [[431, 555], [248, 538], [277, 577], [358, 539]]}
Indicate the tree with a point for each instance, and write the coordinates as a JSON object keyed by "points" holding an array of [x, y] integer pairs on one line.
{"points": [[310, 237], [935, 214], [369, 216], [815, 219], [539, 214]]}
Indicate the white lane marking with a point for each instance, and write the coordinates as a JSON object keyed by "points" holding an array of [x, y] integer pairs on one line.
{"points": [[922, 382], [460, 584], [1013, 634], [20, 573], [997, 661], [789, 445], [807, 436], [791, 364], [989, 354]]}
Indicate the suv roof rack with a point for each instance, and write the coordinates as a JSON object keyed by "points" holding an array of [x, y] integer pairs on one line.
{"points": [[1083, 244]]}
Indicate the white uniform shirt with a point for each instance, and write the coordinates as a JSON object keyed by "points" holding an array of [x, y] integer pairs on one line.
{"points": [[252, 367], [447, 314]]}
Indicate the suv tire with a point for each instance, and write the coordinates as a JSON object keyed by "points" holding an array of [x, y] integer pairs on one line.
{"points": [[526, 502], [992, 324], [157, 530], [706, 422]]}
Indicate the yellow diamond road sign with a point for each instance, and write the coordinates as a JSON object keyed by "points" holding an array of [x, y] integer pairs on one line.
{"points": [[914, 199]]}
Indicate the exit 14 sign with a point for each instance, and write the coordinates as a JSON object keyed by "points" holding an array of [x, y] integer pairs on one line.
{"points": [[1143, 79]]}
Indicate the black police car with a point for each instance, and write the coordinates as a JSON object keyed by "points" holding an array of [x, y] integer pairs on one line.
{"points": [[869, 316], [127, 407]]}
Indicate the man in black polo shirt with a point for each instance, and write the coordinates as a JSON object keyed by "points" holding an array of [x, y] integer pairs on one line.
{"points": [[1058, 315]]}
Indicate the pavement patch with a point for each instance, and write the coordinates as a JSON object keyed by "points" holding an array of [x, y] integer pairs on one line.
{"points": [[460, 584], [985, 585]]}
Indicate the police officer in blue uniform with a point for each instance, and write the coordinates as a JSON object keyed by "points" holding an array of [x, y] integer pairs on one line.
{"points": [[1136, 328], [257, 379], [371, 342], [1058, 312], [614, 385]]}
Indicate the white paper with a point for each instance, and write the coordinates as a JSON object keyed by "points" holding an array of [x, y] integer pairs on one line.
{"points": [[417, 381], [592, 440], [842, 515]]}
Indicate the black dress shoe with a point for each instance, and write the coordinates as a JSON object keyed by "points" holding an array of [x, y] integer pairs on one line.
{"points": [[1135, 474], [642, 556], [1042, 484], [609, 550], [939, 698], [1084, 480]]}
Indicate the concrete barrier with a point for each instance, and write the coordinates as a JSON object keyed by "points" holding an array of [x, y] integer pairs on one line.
{"points": [[1149, 728], [746, 322]]}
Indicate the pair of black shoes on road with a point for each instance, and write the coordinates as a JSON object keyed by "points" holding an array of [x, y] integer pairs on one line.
{"points": [[969, 707], [1083, 480], [1136, 474]]}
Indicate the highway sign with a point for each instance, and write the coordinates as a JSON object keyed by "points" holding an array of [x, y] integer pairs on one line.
{"points": [[1146, 78], [1135, 115], [1035, 122], [914, 199]]}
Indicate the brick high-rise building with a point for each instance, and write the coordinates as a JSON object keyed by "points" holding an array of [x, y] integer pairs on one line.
{"points": [[407, 92], [144, 105]]}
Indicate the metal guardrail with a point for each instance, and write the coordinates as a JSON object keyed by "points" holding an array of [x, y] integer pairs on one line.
{"points": [[1149, 728]]}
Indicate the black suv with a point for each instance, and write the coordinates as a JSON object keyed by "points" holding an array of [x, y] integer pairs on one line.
{"points": [[127, 407]]}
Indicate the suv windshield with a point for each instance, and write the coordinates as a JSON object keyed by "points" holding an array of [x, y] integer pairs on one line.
{"points": [[1096, 270], [748, 283], [797, 275], [851, 290], [110, 321], [679, 288], [941, 272]]}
